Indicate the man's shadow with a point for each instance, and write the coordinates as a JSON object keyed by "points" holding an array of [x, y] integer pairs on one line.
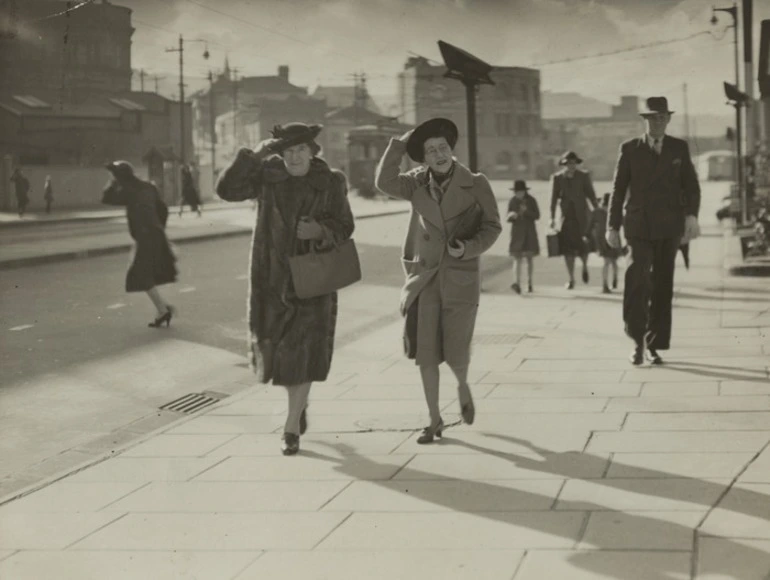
{"points": [[719, 372], [417, 484]]}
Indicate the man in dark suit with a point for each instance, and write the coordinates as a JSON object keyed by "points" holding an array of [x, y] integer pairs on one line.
{"points": [[656, 179]]}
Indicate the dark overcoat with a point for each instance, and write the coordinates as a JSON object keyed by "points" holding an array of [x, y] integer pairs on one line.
{"points": [[153, 261], [573, 196], [651, 194], [523, 230], [189, 192], [291, 339]]}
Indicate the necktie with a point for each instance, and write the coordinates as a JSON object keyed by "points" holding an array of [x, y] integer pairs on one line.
{"points": [[656, 145]]}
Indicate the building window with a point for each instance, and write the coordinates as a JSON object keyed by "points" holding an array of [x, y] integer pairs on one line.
{"points": [[503, 160], [523, 125], [535, 97], [523, 162], [503, 124], [525, 94], [502, 91]]}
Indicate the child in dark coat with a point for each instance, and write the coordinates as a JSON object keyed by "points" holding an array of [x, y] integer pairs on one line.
{"points": [[523, 212], [597, 226]]}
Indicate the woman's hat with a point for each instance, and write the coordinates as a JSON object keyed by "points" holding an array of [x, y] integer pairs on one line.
{"points": [[570, 156], [436, 127], [655, 106], [293, 134], [519, 185], [120, 169]]}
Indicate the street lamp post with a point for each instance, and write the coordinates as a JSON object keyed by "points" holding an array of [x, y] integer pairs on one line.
{"points": [[733, 11], [180, 50]]}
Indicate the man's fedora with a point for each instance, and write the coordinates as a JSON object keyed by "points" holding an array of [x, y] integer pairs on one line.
{"points": [[121, 169], [293, 134], [519, 185], [436, 127], [655, 106], [570, 156]]}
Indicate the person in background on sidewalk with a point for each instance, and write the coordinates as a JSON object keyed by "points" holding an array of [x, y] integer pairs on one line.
{"points": [[523, 212], [454, 220], [48, 194], [189, 192], [301, 201], [656, 172], [597, 229], [572, 191], [21, 184], [153, 262]]}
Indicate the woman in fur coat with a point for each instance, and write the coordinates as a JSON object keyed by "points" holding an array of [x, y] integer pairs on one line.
{"points": [[301, 201]]}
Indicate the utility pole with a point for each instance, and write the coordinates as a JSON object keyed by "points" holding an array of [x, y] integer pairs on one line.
{"points": [[234, 87], [141, 79], [686, 114], [180, 50], [212, 130], [748, 77]]}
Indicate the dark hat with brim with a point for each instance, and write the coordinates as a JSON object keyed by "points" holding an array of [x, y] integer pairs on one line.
{"points": [[436, 127], [120, 169], [570, 156], [519, 185], [293, 134], [655, 106]]}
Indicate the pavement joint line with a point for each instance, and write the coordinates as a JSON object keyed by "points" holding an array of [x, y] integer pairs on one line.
{"points": [[334, 529], [125, 495], [336, 495], [583, 529], [210, 467], [99, 529]]}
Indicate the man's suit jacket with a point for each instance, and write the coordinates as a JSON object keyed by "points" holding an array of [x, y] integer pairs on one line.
{"points": [[662, 189]]}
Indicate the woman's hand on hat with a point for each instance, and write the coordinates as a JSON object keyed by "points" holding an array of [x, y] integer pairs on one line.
{"points": [[266, 146], [309, 229]]}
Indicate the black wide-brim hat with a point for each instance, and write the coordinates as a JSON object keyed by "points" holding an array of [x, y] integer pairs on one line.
{"points": [[120, 169], [570, 156], [293, 134], [519, 185], [436, 127], [655, 106]]}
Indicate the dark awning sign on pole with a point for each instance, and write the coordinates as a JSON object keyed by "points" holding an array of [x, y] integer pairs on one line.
{"points": [[472, 72]]}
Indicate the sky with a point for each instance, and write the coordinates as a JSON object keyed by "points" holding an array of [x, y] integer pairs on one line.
{"points": [[327, 41]]}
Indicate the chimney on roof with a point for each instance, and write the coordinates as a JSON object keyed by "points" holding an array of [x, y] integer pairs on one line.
{"points": [[283, 72]]}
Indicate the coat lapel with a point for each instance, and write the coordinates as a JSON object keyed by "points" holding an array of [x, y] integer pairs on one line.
{"points": [[427, 207], [663, 160], [457, 199]]}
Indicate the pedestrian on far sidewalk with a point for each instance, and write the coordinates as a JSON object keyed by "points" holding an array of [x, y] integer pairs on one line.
{"points": [[454, 220], [189, 192], [303, 204], [153, 262], [572, 191], [523, 212], [21, 184], [656, 173], [48, 194], [597, 229]]}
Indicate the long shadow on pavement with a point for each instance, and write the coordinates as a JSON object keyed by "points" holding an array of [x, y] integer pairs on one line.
{"points": [[351, 465]]}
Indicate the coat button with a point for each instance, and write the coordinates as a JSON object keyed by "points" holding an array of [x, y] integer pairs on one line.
{"points": [[426, 237]]}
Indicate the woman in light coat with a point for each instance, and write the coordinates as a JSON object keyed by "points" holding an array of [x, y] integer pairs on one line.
{"points": [[302, 201], [454, 219]]}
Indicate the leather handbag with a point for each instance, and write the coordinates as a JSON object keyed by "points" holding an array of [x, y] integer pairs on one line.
{"points": [[552, 241], [317, 273]]}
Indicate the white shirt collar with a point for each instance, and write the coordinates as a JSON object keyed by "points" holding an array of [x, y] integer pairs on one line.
{"points": [[649, 139]]}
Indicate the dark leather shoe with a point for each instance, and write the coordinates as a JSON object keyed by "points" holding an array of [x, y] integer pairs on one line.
{"points": [[585, 275], [606, 289], [429, 434], [290, 444], [516, 288], [653, 357], [636, 356], [570, 285]]}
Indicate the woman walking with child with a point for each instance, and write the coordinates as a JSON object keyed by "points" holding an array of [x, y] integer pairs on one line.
{"points": [[523, 212], [597, 227]]}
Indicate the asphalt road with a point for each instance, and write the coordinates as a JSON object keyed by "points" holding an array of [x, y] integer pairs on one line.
{"points": [[78, 361]]}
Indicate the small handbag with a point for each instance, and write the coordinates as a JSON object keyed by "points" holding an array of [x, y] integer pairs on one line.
{"points": [[552, 241], [322, 272]]}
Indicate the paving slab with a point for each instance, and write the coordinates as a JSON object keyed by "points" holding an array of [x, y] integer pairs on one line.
{"points": [[641, 530], [49, 531], [679, 441], [676, 465], [598, 564], [731, 558]]}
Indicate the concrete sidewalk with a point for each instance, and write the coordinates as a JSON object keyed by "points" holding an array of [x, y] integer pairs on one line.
{"points": [[579, 466]]}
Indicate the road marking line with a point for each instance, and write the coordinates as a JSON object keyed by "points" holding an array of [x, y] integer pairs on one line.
{"points": [[188, 289], [23, 327], [116, 306]]}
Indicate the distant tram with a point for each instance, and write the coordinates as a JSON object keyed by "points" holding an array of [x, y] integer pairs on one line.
{"points": [[366, 144]]}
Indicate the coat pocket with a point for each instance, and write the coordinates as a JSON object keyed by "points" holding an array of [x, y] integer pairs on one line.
{"points": [[411, 266], [462, 286]]}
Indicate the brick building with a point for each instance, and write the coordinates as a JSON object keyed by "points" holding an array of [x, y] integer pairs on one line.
{"points": [[508, 114]]}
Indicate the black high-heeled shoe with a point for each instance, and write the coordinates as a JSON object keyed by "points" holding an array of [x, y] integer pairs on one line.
{"points": [[166, 318], [431, 432], [467, 409], [303, 421], [290, 444]]}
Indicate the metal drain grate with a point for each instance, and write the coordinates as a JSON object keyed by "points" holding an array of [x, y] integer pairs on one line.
{"points": [[192, 402], [498, 338]]}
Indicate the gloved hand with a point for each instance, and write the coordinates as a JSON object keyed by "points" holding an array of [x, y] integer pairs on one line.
{"points": [[309, 229], [456, 249], [691, 229], [613, 238]]}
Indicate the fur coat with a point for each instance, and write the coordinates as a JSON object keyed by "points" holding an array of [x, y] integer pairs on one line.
{"points": [[291, 339]]}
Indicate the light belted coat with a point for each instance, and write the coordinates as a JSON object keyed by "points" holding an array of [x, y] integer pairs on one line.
{"points": [[431, 225]]}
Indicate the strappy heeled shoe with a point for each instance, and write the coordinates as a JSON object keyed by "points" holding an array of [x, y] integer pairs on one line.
{"points": [[431, 432], [290, 444], [165, 318], [467, 409]]}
